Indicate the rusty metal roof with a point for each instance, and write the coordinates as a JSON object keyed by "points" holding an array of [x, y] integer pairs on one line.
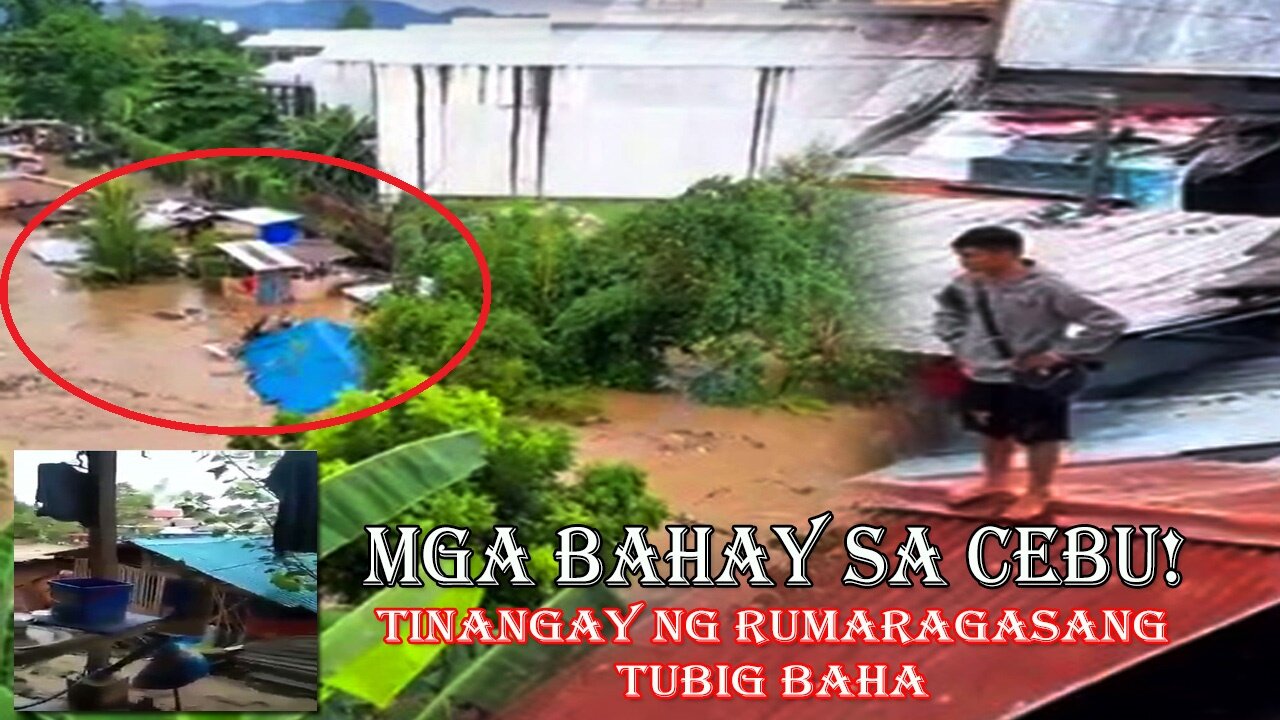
{"points": [[1149, 265], [1227, 576]]}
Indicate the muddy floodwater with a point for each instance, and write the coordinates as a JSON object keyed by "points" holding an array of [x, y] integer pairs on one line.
{"points": [[125, 346], [716, 465], [723, 466]]}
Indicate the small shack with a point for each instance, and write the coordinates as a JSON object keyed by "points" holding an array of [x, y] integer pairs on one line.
{"points": [[248, 603], [20, 159], [52, 136], [33, 567], [262, 272]]}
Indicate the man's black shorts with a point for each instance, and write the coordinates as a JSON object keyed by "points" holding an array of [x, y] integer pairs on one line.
{"points": [[1006, 410]]}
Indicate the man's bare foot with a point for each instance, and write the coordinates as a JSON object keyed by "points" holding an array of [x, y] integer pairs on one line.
{"points": [[970, 493], [1031, 506]]}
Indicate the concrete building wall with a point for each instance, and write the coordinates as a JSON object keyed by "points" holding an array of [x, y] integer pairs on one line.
{"points": [[346, 84], [630, 105], [603, 131]]}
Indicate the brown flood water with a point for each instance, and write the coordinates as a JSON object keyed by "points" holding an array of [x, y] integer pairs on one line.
{"points": [[716, 465], [724, 466], [111, 343]]}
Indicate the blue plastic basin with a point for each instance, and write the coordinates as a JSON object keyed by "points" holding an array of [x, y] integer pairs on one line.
{"points": [[92, 602]]}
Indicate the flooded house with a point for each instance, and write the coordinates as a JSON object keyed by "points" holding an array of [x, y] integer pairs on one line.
{"points": [[269, 274]]}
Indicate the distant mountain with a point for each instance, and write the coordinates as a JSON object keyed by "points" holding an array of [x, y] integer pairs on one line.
{"points": [[313, 14]]}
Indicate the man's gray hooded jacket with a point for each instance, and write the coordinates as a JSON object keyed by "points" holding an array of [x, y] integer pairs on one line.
{"points": [[1033, 313]]}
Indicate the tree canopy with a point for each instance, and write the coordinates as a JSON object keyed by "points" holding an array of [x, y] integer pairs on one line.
{"points": [[356, 17]]}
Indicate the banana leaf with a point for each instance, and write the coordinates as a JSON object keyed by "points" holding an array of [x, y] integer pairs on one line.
{"points": [[503, 673], [376, 490], [355, 661], [6, 610], [330, 616]]}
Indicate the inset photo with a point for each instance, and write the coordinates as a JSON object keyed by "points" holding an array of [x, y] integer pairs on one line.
{"points": [[166, 581]]}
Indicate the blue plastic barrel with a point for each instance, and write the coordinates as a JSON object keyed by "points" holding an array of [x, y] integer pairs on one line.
{"points": [[90, 602], [279, 233]]}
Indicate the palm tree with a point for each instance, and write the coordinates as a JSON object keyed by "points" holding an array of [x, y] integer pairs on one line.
{"points": [[119, 249]]}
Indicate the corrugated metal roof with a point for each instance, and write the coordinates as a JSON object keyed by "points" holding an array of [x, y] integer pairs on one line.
{"points": [[260, 256], [247, 563], [1220, 502], [1214, 408], [1193, 37], [316, 250], [1148, 265], [874, 39], [299, 70], [1221, 583], [944, 150], [259, 216], [314, 39], [1250, 376]]}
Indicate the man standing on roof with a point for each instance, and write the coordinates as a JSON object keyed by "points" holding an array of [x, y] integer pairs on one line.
{"points": [[1006, 320]]}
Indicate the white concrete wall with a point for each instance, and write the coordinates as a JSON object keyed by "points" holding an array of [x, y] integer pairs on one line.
{"points": [[346, 84], [609, 132], [633, 111]]}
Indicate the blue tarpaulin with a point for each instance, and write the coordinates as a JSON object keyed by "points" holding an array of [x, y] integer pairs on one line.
{"points": [[303, 369]]}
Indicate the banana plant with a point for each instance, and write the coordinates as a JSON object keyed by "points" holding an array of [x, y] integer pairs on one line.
{"points": [[354, 660]]}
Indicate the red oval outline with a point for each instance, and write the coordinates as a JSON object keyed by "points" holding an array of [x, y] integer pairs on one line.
{"points": [[232, 430]]}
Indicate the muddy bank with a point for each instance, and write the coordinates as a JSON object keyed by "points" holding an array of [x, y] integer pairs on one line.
{"points": [[724, 466]]}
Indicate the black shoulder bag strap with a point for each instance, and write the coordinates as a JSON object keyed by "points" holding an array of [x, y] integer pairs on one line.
{"points": [[989, 322]]}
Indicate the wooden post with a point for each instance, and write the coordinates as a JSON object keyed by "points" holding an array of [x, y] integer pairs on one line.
{"points": [[102, 535], [1101, 152]]}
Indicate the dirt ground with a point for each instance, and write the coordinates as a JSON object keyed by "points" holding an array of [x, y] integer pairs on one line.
{"points": [[212, 694]]}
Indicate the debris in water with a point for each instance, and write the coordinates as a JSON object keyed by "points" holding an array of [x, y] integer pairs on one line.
{"points": [[216, 351], [58, 252], [169, 315]]}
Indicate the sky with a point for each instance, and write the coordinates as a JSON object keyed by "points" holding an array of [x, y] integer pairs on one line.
{"points": [[171, 471]]}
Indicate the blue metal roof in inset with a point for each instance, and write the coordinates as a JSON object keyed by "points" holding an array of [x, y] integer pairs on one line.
{"points": [[245, 562]]}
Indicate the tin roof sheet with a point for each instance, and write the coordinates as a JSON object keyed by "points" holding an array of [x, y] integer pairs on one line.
{"points": [[260, 256], [1191, 37], [247, 563], [259, 216], [677, 45], [944, 149], [1211, 409], [1221, 584]]}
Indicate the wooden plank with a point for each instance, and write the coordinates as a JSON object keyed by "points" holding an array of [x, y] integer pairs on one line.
{"points": [[80, 641], [102, 536]]}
